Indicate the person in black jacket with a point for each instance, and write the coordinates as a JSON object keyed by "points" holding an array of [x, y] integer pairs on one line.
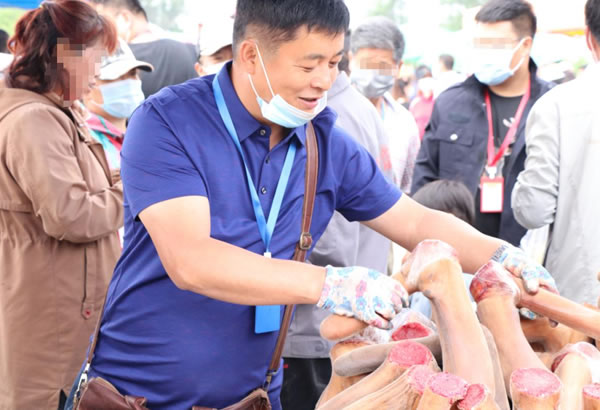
{"points": [[476, 132]]}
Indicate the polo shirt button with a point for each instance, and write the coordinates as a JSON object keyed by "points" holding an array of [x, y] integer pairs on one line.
{"points": [[263, 132], [453, 137], [268, 160], [263, 190]]}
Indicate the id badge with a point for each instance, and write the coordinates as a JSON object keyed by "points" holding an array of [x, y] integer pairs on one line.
{"points": [[492, 195], [267, 318]]}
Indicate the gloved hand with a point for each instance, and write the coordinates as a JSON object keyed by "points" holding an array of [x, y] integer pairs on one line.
{"points": [[364, 294], [533, 274]]}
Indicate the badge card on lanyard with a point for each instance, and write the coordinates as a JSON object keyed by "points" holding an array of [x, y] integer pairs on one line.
{"points": [[267, 318], [492, 185]]}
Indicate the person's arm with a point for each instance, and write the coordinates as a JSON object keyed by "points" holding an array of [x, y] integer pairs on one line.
{"points": [[170, 194], [407, 223], [535, 194], [43, 162], [180, 231], [427, 163]]}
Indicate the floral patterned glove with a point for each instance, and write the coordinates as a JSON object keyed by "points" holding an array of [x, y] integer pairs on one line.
{"points": [[364, 294], [533, 274]]}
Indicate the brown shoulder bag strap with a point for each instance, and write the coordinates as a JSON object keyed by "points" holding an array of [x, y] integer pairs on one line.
{"points": [[305, 241]]}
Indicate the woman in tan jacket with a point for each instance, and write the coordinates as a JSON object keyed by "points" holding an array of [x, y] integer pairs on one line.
{"points": [[59, 207]]}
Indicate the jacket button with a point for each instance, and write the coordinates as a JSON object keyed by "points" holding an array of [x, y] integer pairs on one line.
{"points": [[453, 137]]}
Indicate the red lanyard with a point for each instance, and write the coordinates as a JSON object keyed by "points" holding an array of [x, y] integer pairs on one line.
{"points": [[493, 156]]}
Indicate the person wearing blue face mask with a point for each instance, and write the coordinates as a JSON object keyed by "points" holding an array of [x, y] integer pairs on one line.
{"points": [[116, 94], [476, 132]]}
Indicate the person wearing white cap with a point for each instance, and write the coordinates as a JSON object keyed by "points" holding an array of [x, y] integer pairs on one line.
{"points": [[111, 102], [214, 48]]}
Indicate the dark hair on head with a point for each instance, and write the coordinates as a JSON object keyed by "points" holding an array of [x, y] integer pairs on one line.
{"points": [[133, 6], [38, 32], [448, 196], [344, 64], [448, 61], [423, 71], [277, 21], [3, 41], [592, 18], [518, 12]]}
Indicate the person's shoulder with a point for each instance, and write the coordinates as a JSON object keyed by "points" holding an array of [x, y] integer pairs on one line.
{"points": [[182, 96], [468, 89]]}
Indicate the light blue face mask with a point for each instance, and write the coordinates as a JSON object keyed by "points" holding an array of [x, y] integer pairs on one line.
{"points": [[493, 65], [279, 111], [121, 98]]}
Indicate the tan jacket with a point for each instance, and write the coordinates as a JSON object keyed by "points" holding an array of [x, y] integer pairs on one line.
{"points": [[59, 215]]}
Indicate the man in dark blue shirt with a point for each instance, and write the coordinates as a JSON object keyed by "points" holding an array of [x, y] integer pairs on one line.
{"points": [[203, 165]]}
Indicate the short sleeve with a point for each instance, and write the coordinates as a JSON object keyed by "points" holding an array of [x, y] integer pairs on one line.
{"points": [[155, 166], [363, 193]]}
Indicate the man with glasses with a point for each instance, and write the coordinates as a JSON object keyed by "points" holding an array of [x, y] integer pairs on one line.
{"points": [[476, 132]]}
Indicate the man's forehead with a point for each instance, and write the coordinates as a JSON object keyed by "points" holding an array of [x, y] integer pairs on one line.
{"points": [[314, 45]]}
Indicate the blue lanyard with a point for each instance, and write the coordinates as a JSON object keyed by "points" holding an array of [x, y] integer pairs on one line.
{"points": [[265, 227]]}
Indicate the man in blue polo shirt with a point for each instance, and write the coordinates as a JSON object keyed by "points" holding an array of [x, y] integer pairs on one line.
{"points": [[203, 168]]}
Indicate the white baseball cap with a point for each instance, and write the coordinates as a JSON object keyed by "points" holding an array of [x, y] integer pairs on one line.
{"points": [[121, 62], [215, 35]]}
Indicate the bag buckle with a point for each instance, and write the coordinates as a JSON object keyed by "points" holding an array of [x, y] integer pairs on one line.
{"points": [[83, 379], [305, 241]]}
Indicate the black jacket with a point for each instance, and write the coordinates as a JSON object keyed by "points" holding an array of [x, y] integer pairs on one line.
{"points": [[455, 144]]}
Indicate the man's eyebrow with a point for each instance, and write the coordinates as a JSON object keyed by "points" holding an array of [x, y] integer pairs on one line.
{"points": [[316, 56]]}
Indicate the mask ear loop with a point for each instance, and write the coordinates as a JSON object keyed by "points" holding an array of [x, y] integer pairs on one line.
{"points": [[514, 70], [264, 71]]}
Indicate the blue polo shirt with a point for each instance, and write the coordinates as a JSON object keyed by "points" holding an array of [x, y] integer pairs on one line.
{"points": [[179, 348]]}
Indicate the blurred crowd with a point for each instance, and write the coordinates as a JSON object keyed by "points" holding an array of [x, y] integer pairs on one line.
{"points": [[501, 146]]}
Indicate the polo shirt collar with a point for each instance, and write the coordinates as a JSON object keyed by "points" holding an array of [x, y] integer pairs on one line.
{"points": [[245, 124]]}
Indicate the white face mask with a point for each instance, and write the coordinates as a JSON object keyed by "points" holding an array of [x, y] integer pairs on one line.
{"points": [[213, 68], [492, 66], [279, 111]]}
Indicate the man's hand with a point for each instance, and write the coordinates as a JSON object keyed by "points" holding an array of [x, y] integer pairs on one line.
{"points": [[520, 265], [533, 274], [364, 294]]}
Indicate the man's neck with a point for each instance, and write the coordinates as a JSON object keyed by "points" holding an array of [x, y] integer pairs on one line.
{"points": [[119, 123], [516, 85], [378, 103], [246, 95]]}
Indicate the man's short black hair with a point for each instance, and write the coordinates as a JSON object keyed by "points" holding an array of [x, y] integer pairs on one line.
{"points": [[277, 21], [448, 61], [592, 18], [3, 41], [518, 12], [448, 196], [133, 6]]}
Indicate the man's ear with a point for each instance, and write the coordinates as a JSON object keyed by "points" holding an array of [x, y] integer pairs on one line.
{"points": [[247, 56], [199, 69], [593, 45]]}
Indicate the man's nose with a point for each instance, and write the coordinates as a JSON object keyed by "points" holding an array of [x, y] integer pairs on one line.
{"points": [[324, 78]]}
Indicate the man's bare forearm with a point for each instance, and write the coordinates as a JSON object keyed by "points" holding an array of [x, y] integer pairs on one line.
{"points": [[407, 223], [225, 272]]}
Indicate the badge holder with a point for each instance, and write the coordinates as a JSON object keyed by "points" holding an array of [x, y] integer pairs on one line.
{"points": [[267, 318], [492, 193]]}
